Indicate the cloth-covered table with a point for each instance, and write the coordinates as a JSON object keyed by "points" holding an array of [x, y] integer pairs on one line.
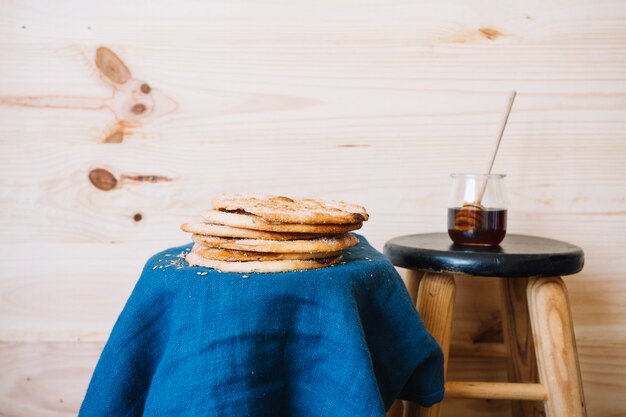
{"points": [[338, 341]]}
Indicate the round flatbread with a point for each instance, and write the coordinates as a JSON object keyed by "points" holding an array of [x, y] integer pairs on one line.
{"points": [[324, 244], [262, 266], [229, 255], [286, 210], [228, 231], [250, 221]]}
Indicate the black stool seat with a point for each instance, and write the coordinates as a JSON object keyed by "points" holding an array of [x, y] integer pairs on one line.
{"points": [[518, 256]]}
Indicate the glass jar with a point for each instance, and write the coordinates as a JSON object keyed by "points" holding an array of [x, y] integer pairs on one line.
{"points": [[477, 209]]}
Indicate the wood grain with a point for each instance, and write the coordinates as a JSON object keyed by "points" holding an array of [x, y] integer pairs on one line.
{"points": [[555, 347], [45, 379], [374, 103], [412, 281], [496, 390], [49, 379], [521, 363], [479, 350], [65, 295], [435, 303]]}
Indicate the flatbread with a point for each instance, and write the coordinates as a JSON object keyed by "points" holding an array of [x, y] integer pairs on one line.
{"points": [[250, 221], [241, 256], [325, 244], [262, 266], [285, 210], [228, 231]]}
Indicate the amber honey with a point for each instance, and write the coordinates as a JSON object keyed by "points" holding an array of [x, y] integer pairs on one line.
{"points": [[470, 225]]}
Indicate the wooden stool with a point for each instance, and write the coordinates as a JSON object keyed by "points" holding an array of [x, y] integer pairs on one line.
{"points": [[537, 323]]}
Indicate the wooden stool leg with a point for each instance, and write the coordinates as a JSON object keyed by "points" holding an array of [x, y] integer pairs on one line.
{"points": [[555, 347], [522, 366], [412, 280], [435, 303]]}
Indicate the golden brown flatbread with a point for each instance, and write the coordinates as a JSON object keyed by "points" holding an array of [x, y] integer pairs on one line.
{"points": [[250, 221], [242, 256], [324, 244], [285, 210], [228, 231], [263, 266]]}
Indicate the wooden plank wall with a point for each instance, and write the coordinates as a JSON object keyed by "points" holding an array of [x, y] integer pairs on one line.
{"points": [[374, 102]]}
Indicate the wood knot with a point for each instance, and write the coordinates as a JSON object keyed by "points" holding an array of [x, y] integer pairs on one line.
{"points": [[102, 179], [111, 65], [146, 178], [488, 33], [490, 332], [115, 137], [138, 108], [137, 217], [282, 199], [145, 88], [117, 132]]}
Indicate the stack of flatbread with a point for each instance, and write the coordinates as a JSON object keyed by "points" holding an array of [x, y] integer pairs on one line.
{"points": [[252, 233]]}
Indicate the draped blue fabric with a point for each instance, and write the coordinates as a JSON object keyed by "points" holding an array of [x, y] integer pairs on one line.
{"points": [[338, 341]]}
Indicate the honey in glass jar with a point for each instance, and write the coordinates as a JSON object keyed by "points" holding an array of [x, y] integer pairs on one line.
{"points": [[477, 211]]}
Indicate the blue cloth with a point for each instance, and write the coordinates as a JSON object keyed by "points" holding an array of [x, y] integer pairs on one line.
{"points": [[338, 341]]}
